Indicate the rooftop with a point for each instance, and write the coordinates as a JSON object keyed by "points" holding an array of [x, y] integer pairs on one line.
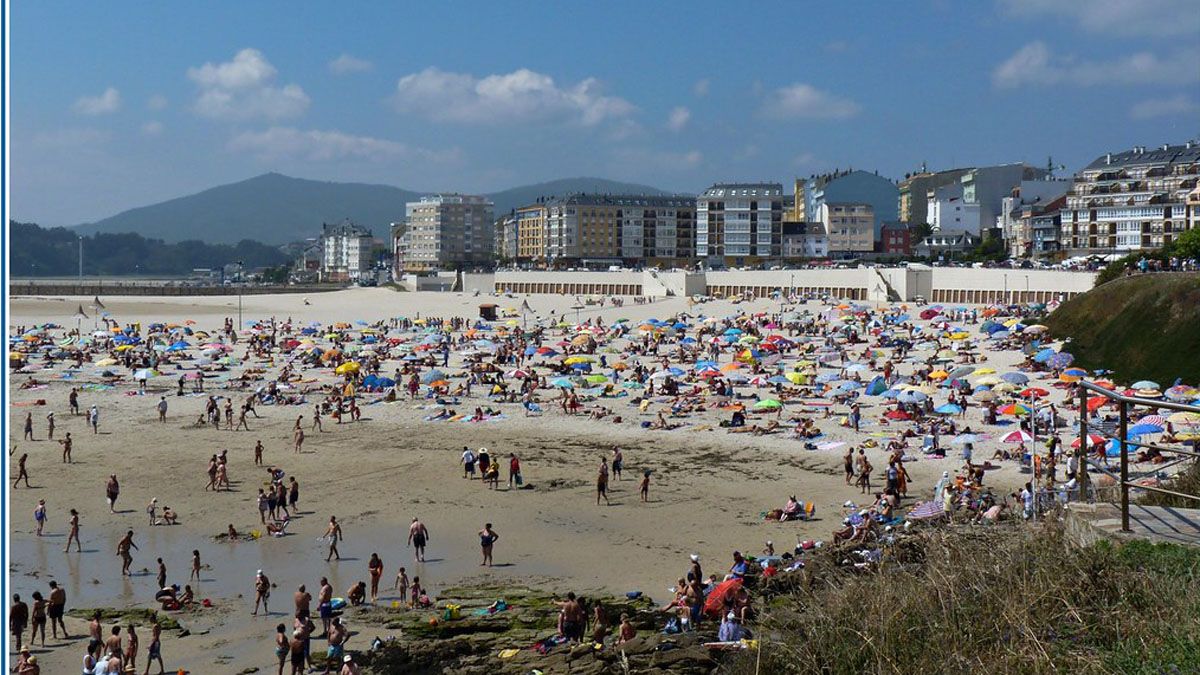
{"points": [[654, 201], [744, 190], [1141, 155]]}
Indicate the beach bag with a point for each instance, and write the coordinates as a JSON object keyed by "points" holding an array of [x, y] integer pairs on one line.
{"points": [[451, 612], [520, 481], [672, 626]]}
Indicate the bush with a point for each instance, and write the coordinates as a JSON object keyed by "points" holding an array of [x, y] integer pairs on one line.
{"points": [[995, 600]]}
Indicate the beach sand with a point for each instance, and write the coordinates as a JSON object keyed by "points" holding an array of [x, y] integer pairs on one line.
{"points": [[708, 493]]}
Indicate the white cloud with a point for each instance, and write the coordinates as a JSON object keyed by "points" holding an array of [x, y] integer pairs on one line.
{"points": [[104, 104], [244, 89], [318, 145], [701, 88], [1119, 17], [157, 102], [678, 118], [799, 101], [1164, 107], [1035, 64], [152, 128], [346, 64], [520, 96]]}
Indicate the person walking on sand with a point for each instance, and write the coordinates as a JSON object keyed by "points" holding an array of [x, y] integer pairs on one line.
{"points": [[401, 582], [50, 425], [29, 426], [66, 448], [644, 487], [123, 547], [514, 471], [618, 463], [418, 537], [18, 618], [112, 490], [22, 472], [334, 534], [56, 608], [317, 418], [94, 419], [298, 437], [162, 417], [487, 539], [258, 453], [325, 604], [195, 573], [73, 401], [154, 651], [602, 483], [39, 515], [262, 592], [73, 533]]}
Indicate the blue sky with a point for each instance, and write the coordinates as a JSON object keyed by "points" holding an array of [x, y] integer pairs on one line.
{"points": [[117, 104]]}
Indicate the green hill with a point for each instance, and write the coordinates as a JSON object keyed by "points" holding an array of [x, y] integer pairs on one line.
{"points": [[277, 209], [1144, 327]]}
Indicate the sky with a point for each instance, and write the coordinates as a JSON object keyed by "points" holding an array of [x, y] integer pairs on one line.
{"points": [[116, 105]]}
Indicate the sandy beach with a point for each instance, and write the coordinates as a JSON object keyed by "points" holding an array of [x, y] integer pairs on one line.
{"points": [[709, 489]]}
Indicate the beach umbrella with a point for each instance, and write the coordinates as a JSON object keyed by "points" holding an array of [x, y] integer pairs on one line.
{"points": [[349, 367], [1182, 392], [144, 374], [768, 404], [1186, 418], [1061, 360], [876, 387], [1036, 329], [984, 395], [1073, 375], [988, 380], [1144, 384], [1034, 392], [962, 371], [963, 439], [1015, 378], [947, 409], [1095, 402], [596, 379], [562, 382], [432, 376], [1141, 429], [1017, 436], [1015, 409], [911, 396], [1092, 440], [939, 375], [1156, 420], [1044, 355]]}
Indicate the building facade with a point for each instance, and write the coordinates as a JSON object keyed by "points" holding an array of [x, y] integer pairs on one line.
{"points": [[947, 244], [853, 187], [946, 209], [739, 223], [850, 227], [505, 238], [345, 251], [895, 239], [1045, 227], [601, 230], [531, 234], [1028, 199], [802, 241], [448, 231], [1133, 200], [986, 187], [914, 193]]}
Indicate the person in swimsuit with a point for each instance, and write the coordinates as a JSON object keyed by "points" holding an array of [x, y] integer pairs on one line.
{"points": [[123, 547], [487, 538], [297, 652], [154, 651], [39, 515], [602, 483], [38, 618], [375, 569], [74, 533], [55, 609], [281, 646], [22, 472], [418, 536]]}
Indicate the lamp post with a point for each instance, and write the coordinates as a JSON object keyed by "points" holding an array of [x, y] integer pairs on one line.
{"points": [[81, 258], [241, 266]]}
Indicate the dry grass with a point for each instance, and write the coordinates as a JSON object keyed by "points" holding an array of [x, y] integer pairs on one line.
{"points": [[992, 601]]}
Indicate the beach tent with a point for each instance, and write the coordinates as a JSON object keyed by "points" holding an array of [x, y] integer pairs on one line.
{"points": [[714, 604]]}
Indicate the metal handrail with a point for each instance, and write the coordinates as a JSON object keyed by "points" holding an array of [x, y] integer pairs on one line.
{"points": [[1123, 437]]}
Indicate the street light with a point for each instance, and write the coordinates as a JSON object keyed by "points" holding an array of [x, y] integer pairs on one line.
{"points": [[81, 258], [239, 283]]}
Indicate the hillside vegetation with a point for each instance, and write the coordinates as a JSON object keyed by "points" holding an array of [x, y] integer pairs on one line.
{"points": [[1144, 327]]}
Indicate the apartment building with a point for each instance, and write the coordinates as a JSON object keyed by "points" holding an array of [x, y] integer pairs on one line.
{"points": [[740, 223], [852, 187], [850, 227], [505, 238], [448, 231], [345, 251], [1132, 200], [531, 234], [1028, 199], [591, 230], [914, 193]]}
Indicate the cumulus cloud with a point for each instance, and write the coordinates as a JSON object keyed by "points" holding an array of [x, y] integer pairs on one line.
{"points": [[244, 88], [156, 102], [319, 145], [1118, 17], [104, 104], [1164, 107], [678, 118], [520, 96], [701, 88], [1035, 64], [346, 64], [152, 128], [804, 101]]}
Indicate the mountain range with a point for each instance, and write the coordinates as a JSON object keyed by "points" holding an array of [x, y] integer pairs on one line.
{"points": [[277, 209]]}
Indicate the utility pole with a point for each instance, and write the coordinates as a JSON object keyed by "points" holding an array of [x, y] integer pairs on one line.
{"points": [[240, 268], [81, 258]]}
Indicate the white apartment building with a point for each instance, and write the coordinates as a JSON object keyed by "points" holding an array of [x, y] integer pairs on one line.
{"points": [[1131, 200], [947, 210], [448, 231], [345, 251], [740, 223]]}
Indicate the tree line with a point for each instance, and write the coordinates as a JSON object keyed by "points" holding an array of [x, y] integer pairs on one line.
{"points": [[35, 251]]}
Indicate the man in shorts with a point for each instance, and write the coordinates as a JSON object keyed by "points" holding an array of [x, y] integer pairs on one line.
{"points": [[418, 536], [56, 609]]}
